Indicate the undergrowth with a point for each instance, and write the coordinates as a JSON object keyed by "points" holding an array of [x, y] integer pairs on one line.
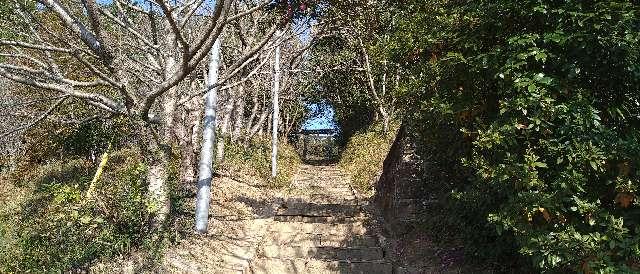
{"points": [[253, 161], [48, 224], [364, 155]]}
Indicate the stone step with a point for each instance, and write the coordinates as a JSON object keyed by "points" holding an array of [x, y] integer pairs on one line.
{"points": [[322, 252], [317, 219], [330, 197], [324, 199], [356, 228], [319, 266], [320, 240], [312, 209], [439, 270]]}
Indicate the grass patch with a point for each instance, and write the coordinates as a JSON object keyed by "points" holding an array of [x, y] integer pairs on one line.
{"points": [[364, 155], [50, 226], [252, 161]]}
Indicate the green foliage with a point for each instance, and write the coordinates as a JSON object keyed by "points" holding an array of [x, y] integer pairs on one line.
{"points": [[56, 227], [350, 70], [253, 161], [8, 14], [345, 91], [85, 140], [364, 155], [528, 113]]}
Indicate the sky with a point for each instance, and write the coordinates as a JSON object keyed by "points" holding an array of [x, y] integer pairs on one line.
{"points": [[322, 120]]}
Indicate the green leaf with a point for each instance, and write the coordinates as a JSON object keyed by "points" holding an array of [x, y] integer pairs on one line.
{"points": [[85, 219], [594, 165], [540, 164], [541, 56]]}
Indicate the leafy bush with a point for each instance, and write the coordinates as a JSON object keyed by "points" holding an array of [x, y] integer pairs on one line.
{"points": [[364, 155], [253, 161], [532, 108], [56, 228]]}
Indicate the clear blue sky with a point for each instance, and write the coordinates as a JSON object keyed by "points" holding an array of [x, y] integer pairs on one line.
{"points": [[320, 118]]}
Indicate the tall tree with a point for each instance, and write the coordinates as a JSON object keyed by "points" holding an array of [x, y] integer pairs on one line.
{"points": [[122, 65]]}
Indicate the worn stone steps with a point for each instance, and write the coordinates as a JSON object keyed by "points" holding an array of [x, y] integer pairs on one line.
{"points": [[317, 219], [319, 266], [318, 228], [322, 240], [322, 252], [312, 209]]}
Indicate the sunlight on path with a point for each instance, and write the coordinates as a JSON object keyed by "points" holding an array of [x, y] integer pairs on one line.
{"points": [[321, 228], [241, 212]]}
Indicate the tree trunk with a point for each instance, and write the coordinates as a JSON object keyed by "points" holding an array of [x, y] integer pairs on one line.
{"points": [[291, 123], [189, 120], [225, 125], [158, 177], [205, 169], [385, 122], [276, 111], [158, 156], [372, 87], [239, 115], [254, 112], [285, 126], [269, 122], [169, 102], [258, 127]]}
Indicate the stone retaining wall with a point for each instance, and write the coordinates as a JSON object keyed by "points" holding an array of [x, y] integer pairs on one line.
{"points": [[399, 193]]}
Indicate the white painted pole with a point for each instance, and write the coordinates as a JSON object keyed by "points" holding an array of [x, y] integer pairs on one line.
{"points": [[276, 110], [205, 168]]}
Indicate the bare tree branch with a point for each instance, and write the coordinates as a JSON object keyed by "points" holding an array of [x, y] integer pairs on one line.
{"points": [[33, 46], [89, 97], [37, 120], [81, 30]]}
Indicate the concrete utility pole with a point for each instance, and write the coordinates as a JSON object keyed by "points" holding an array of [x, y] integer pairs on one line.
{"points": [[205, 168], [276, 109]]}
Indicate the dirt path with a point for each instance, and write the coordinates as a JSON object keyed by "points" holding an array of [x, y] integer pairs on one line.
{"points": [[321, 228]]}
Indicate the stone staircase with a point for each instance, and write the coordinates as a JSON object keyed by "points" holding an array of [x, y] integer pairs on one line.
{"points": [[321, 228]]}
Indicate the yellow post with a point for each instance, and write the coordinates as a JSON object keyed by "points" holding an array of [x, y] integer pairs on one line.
{"points": [[96, 177]]}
